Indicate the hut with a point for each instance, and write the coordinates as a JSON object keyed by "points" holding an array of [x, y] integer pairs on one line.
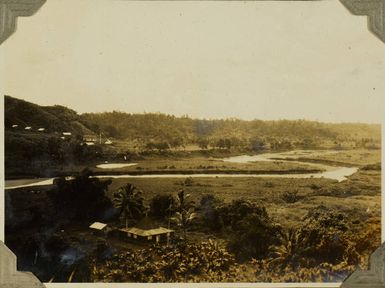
{"points": [[154, 235], [146, 231], [90, 138], [99, 228]]}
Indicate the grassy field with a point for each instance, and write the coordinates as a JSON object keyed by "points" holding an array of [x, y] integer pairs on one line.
{"points": [[175, 165], [350, 157], [359, 193], [182, 163]]}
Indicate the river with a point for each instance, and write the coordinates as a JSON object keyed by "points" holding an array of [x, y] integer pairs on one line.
{"points": [[331, 172]]}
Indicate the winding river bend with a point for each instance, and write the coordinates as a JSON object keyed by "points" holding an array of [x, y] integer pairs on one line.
{"points": [[338, 173]]}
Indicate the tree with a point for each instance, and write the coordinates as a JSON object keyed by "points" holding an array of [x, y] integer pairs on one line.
{"points": [[221, 143], [203, 143], [325, 235], [257, 144], [228, 143], [251, 229], [130, 202], [162, 146], [209, 210], [82, 197], [162, 205], [184, 212]]}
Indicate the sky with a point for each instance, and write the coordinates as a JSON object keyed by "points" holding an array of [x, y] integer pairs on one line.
{"points": [[247, 60]]}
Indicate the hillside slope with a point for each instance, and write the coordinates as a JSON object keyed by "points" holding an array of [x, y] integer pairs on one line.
{"points": [[52, 118]]}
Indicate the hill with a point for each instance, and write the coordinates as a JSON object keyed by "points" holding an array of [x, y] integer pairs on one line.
{"points": [[52, 118]]}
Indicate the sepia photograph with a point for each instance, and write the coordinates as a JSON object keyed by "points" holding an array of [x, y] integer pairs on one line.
{"points": [[192, 142]]}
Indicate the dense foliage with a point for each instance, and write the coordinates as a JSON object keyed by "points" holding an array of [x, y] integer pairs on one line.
{"points": [[251, 229], [247, 225], [181, 262], [249, 247], [82, 197], [162, 206]]}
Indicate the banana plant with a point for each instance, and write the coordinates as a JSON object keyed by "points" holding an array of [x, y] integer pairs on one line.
{"points": [[185, 212]]}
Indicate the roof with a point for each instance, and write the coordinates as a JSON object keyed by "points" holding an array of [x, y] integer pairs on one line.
{"points": [[144, 233], [90, 135], [28, 128], [98, 226], [41, 129], [67, 133]]}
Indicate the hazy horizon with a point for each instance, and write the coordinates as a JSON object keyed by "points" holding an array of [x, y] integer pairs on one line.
{"points": [[208, 60]]}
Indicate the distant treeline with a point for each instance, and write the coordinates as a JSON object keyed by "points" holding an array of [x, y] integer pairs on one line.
{"points": [[160, 131], [155, 131]]}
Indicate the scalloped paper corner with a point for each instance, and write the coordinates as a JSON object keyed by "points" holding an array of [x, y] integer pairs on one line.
{"points": [[10, 10], [374, 277], [374, 10], [10, 277]]}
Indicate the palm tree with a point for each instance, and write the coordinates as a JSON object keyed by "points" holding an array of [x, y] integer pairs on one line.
{"points": [[129, 200]]}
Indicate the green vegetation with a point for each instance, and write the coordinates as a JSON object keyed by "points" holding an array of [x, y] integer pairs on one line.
{"points": [[206, 261]]}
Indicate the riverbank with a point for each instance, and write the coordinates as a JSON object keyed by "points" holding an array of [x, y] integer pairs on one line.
{"points": [[207, 160], [283, 164], [156, 166]]}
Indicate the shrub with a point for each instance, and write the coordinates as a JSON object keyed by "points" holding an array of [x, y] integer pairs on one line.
{"points": [[188, 181], [324, 272], [291, 196], [376, 166], [210, 214], [251, 229], [325, 235]]}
